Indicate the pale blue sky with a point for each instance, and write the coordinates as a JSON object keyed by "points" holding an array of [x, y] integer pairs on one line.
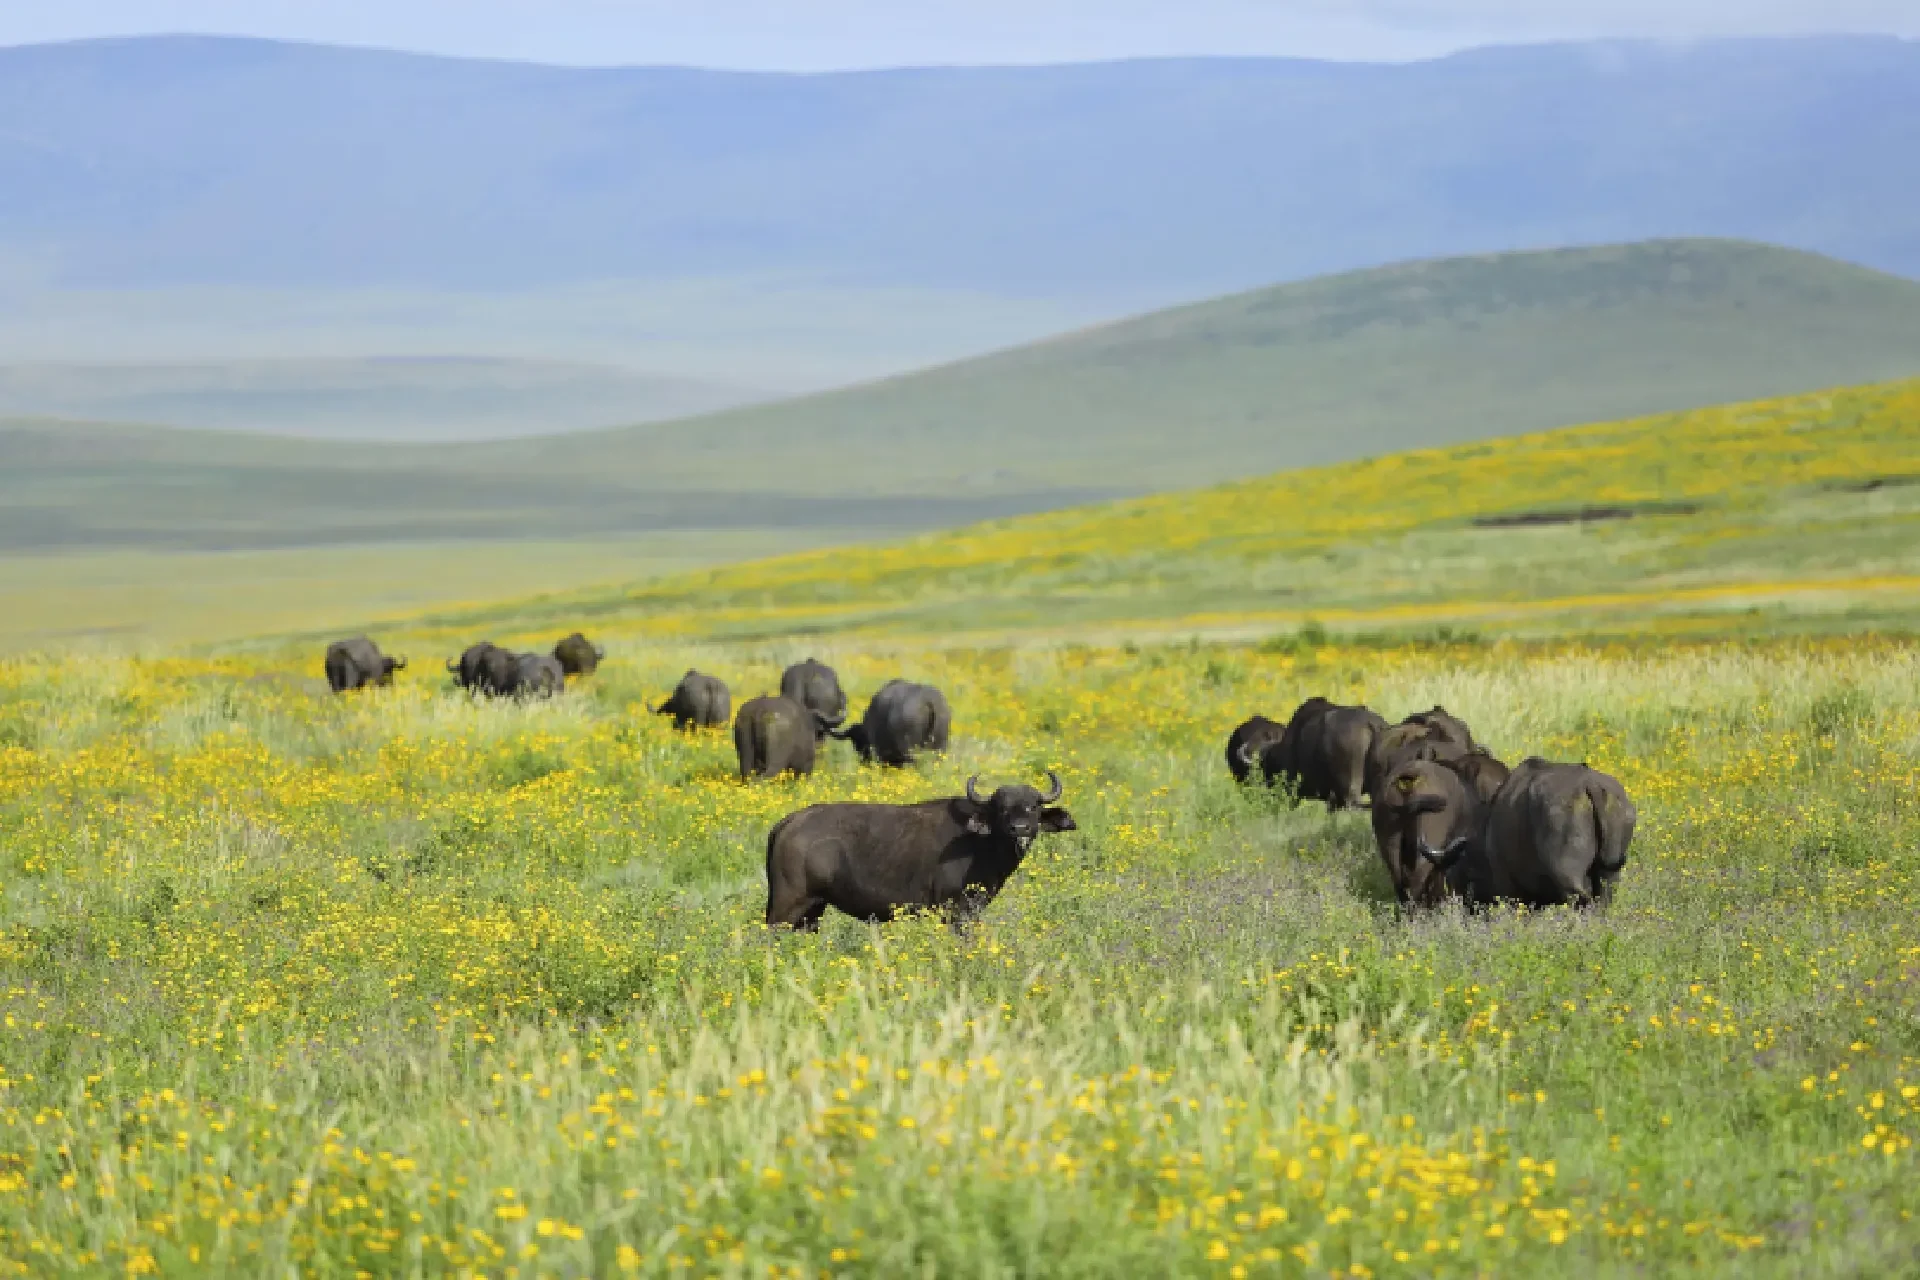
{"points": [[823, 34]]}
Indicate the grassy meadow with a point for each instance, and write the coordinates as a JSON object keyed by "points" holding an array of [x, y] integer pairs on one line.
{"points": [[1793, 514], [404, 983]]}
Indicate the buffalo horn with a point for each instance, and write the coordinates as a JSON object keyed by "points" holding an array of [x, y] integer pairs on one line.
{"points": [[1058, 788], [453, 664], [972, 794], [400, 665]]}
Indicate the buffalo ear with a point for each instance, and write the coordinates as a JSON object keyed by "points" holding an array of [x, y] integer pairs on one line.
{"points": [[976, 824], [1056, 819]]}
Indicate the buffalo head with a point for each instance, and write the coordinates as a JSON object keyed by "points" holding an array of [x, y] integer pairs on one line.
{"points": [[1017, 813]]}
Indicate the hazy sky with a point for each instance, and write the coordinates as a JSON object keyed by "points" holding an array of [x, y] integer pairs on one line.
{"points": [[819, 34]]}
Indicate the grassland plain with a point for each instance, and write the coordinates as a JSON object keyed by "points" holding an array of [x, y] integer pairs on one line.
{"points": [[403, 984]]}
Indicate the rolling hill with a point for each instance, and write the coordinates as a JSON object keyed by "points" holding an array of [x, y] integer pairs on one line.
{"points": [[222, 193], [1416, 356], [1796, 513]]}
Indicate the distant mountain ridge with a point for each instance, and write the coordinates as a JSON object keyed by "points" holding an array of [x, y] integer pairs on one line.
{"points": [[190, 163], [1375, 362]]}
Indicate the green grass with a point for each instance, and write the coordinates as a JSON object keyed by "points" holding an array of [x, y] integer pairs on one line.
{"points": [[1801, 513], [406, 984], [1369, 363], [132, 601]]}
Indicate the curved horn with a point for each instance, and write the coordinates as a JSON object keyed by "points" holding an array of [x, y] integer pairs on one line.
{"points": [[401, 664], [972, 794], [648, 704], [1059, 788], [599, 653], [453, 664], [1249, 756], [829, 722]]}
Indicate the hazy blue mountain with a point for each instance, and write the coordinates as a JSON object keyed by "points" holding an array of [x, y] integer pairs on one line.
{"points": [[187, 161]]}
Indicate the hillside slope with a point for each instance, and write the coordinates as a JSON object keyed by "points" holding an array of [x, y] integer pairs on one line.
{"points": [[1766, 514], [1367, 363], [174, 160], [1370, 362]]}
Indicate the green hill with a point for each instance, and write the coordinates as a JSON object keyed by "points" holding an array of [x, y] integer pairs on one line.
{"points": [[1802, 512], [1422, 355]]}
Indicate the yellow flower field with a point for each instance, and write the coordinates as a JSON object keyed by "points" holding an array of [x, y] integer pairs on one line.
{"points": [[404, 983]]}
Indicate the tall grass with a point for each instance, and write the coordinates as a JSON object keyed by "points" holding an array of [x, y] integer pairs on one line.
{"points": [[406, 983]]}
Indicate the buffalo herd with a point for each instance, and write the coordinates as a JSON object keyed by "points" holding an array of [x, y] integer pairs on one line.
{"points": [[1450, 820]]}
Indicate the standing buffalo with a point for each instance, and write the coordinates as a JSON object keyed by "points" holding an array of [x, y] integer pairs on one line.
{"points": [[1555, 833], [1324, 752], [777, 735], [901, 720], [577, 657], [1425, 735], [815, 686], [698, 701], [1246, 744], [357, 663], [483, 668], [1426, 811], [872, 861], [536, 675]]}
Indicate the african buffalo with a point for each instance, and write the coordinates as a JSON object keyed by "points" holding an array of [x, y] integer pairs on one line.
{"points": [[1425, 735], [1444, 725], [1246, 743], [901, 720], [1324, 752], [577, 657], [1555, 833], [536, 675], [815, 686], [358, 663], [872, 861], [1426, 806], [777, 735], [483, 668], [698, 701]]}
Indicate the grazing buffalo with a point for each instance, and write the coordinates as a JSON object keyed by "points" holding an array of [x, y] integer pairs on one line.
{"points": [[536, 675], [901, 720], [777, 735], [816, 686], [1555, 833], [577, 657], [483, 668], [698, 702], [1245, 745], [1428, 809], [873, 861], [357, 663], [1323, 752]]}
